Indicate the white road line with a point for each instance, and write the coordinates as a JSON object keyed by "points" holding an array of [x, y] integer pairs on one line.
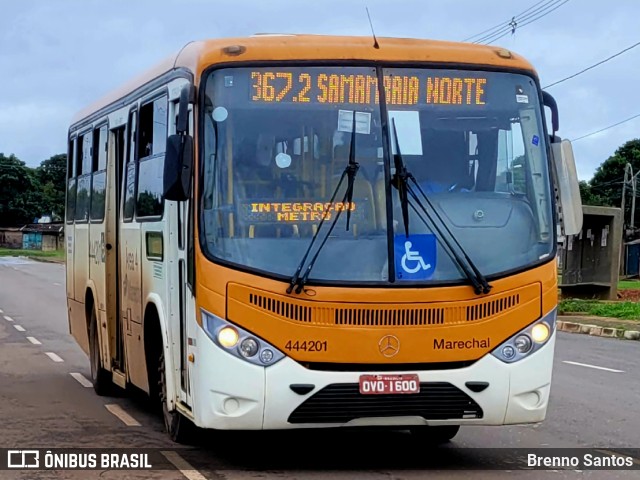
{"points": [[57, 284], [1, 311], [183, 466], [20, 328], [593, 366], [119, 412], [82, 380], [8, 319], [53, 357], [34, 340]]}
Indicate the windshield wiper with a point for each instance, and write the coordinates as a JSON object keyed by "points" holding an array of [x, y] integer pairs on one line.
{"points": [[401, 182], [350, 172]]}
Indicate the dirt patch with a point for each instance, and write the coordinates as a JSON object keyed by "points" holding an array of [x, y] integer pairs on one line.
{"points": [[629, 295]]}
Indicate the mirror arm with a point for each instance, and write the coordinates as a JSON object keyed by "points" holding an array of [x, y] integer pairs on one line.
{"points": [[187, 95], [550, 102]]}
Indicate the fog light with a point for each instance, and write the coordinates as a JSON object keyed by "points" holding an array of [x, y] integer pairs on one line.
{"points": [[523, 343], [248, 347], [508, 352], [228, 337], [266, 355], [540, 332]]}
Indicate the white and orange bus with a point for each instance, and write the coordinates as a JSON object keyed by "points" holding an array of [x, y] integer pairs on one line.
{"points": [[287, 231]]}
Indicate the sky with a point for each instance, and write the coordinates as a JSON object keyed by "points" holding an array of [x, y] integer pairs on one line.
{"points": [[58, 56]]}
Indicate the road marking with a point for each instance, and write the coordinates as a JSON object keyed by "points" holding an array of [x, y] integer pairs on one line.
{"points": [[57, 284], [593, 366], [20, 328], [1, 311], [119, 412], [8, 319], [53, 357], [183, 466], [34, 341], [82, 380]]}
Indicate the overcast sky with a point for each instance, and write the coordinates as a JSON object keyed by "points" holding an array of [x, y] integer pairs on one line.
{"points": [[57, 56]]}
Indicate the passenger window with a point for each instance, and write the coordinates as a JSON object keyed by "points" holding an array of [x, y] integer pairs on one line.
{"points": [[83, 169], [71, 183], [153, 139], [99, 174], [129, 189]]}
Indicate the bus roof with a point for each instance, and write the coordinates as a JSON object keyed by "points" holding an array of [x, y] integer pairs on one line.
{"points": [[197, 56]]}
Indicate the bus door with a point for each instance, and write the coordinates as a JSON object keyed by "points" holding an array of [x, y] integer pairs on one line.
{"points": [[130, 265], [182, 304], [114, 275]]}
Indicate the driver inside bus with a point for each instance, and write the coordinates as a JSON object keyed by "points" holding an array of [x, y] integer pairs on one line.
{"points": [[444, 165]]}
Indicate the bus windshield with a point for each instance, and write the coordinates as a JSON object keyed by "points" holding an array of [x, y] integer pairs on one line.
{"points": [[276, 142]]}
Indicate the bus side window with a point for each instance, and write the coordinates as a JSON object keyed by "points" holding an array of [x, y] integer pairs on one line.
{"points": [[98, 174], [83, 168], [151, 149], [71, 182], [129, 188]]}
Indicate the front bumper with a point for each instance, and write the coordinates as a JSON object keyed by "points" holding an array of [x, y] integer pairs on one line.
{"points": [[233, 394]]}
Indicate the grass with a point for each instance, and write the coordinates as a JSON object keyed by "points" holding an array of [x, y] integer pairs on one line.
{"points": [[623, 310], [628, 284], [35, 254]]}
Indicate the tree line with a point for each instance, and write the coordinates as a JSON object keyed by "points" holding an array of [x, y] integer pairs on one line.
{"points": [[27, 194], [605, 188]]}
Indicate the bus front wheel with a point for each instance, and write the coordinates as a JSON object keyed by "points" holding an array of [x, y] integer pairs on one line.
{"points": [[179, 428], [435, 434], [99, 376]]}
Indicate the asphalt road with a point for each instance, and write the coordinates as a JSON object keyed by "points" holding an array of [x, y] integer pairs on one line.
{"points": [[42, 405]]}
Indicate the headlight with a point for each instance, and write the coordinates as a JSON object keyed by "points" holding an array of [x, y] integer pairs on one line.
{"points": [[239, 342], [527, 341], [522, 343], [249, 347]]}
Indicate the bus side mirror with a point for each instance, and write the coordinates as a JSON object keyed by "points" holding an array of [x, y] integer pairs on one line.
{"points": [[178, 163], [178, 160], [568, 187]]}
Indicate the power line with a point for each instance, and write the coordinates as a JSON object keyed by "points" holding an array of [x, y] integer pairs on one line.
{"points": [[607, 128], [501, 25], [513, 24], [593, 66], [555, 7]]}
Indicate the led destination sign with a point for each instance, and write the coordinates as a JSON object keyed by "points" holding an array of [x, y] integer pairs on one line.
{"points": [[316, 86]]}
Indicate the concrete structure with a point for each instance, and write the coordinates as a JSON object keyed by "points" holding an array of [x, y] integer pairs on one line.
{"points": [[591, 260]]}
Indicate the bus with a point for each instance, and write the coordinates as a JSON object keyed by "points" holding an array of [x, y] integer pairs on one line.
{"points": [[301, 231]]}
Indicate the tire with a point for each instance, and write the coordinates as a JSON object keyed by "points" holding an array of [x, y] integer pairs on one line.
{"points": [[100, 377], [179, 428], [435, 435]]}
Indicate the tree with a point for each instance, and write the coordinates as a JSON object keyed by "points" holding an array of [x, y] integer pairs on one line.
{"points": [[589, 197], [608, 178], [52, 174], [20, 192]]}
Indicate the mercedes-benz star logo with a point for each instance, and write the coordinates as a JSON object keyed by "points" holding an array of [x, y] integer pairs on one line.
{"points": [[389, 346]]}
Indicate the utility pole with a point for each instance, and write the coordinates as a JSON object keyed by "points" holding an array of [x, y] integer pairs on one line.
{"points": [[628, 171]]}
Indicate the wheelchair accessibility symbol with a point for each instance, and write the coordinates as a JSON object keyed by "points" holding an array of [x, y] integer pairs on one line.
{"points": [[415, 256]]}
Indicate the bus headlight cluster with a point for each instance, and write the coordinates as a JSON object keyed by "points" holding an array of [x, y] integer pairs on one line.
{"points": [[238, 342], [527, 341]]}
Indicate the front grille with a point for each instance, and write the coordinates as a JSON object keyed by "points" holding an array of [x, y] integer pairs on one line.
{"points": [[492, 307], [284, 309], [342, 402], [382, 317]]}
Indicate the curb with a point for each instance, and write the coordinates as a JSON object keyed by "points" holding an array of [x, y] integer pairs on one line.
{"points": [[597, 331]]}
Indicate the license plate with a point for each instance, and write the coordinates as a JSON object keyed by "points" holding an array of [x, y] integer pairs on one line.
{"points": [[386, 384]]}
